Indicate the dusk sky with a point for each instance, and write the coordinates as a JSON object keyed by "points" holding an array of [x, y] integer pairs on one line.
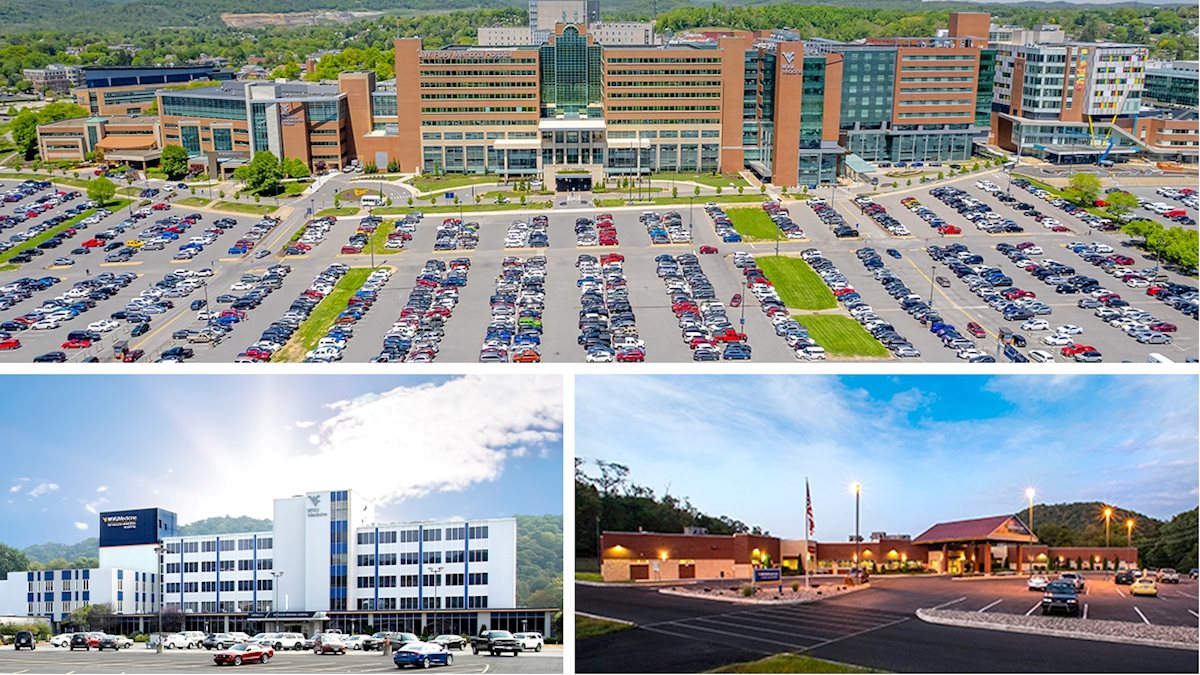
{"points": [[925, 448], [420, 447]]}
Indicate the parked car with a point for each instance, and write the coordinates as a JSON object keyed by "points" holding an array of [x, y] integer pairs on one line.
{"points": [[329, 643], [1144, 586], [423, 654], [1167, 575], [530, 641], [1060, 596], [450, 641], [1038, 582], [244, 652], [1075, 578], [114, 642], [80, 641], [24, 639]]}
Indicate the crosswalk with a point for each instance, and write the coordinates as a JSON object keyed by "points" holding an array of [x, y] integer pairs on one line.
{"points": [[769, 630]]}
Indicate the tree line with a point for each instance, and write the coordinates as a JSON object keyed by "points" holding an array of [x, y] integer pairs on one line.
{"points": [[607, 499]]}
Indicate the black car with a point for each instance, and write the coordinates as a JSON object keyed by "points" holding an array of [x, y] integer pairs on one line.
{"points": [[23, 639], [1124, 577], [80, 640], [178, 353], [140, 329], [1060, 596], [51, 357]]}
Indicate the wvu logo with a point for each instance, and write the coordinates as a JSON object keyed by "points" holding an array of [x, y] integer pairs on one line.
{"points": [[315, 499], [788, 57]]}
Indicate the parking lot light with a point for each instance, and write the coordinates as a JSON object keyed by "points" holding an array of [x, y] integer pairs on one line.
{"points": [[1029, 494], [857, 488], [1107, 523], [1129, 531]]}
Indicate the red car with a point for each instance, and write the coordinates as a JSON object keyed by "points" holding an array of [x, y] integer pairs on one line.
{"points": [[1160, 326], [1060, 228], [258, 354], [133, 355], [11, 343], [161, 206], [708, 249], [631, 356], [976, 330], [1073, 349], [526, 356], [1121, 259], [1016, 293], [697, 341], [351, 249], [728, 335], [611, 257], [949, 229], [77, 344], [328, 644], [843, 291], [244, 653], [92, 243]]}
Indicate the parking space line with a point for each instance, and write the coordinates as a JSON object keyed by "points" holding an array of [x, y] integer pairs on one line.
{"points": [[1193, 613], [990, 605], [1085, 608], [693, 637], [1119, 591], [1139, 613], [726, 633], [1186, 595], [758, 629], [823, 622], [828, 618], [861, 632], [952, 602], [1033, 609]]}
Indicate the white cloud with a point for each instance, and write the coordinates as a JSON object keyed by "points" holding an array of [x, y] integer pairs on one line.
{"points": [[304, 424], [15, 488], [391, 446], [102, 488], [81, 526], [42, 488]]}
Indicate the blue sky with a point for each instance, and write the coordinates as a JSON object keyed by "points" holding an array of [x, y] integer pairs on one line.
{"points": [[925, 448], [419, 447]]}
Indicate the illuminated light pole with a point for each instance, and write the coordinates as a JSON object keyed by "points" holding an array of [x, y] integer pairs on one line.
{"points": [[1029, 494], [158, 552], [1129, 532], [857, 488], [1107, 522]]}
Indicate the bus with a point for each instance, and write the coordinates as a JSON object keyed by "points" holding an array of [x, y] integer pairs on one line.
{"points": [[370, 201], [1155, 357]]}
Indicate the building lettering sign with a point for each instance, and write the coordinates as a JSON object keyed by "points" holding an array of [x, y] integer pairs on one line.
{"points": [[460, 54], [281, 615], [315, 511], [764, 574], [789, 66], [128, 521]]}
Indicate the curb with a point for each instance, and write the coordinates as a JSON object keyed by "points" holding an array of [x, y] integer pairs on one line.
{"points": [[927, 617], [605, 618], [993, 577]]}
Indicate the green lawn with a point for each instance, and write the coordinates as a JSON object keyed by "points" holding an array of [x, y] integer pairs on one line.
{"points": [[841, 336], [588, 576], [704, 179], [798, 285], [323, 315], [428, 183], [293, 188], [792, 663], [587, 627], [340, 211], [114, 206], [754, 224], [465, 208], [257, 209], [62, 180], [683, 199], [192, 201]]}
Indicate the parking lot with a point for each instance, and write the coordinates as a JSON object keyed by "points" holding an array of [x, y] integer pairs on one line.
{"points": [[649, 308], [138, 659], [877, 627]]}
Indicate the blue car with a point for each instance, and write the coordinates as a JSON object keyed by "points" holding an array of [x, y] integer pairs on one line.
{"points": [[422, 654], [732, 237]]}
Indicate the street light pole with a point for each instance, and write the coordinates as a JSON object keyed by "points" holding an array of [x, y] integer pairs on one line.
{"points": [[857, 538], [1107, 522], [1029, 493], [275, 574], [1129, 532], [158, 556], [932, 272]]}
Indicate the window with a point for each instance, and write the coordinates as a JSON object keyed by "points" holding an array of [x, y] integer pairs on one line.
{"points": [[266, 563], [479, 532], [408, 580], [365, 539], [478, 578], [410, 558], [455, 533], [387, 537], [208, 546], [433, 534], [432, 557], [455, 556], [367, 560], [366, 582], [409, 535], [478, 555], [387, 559]]}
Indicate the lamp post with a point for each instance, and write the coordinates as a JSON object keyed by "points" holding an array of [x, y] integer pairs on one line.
{"points": [[1129, 532], [857, 487], [275, 574], [1029, 493], [436, 599], [1107, 522], [158, 556], [932, 273]]}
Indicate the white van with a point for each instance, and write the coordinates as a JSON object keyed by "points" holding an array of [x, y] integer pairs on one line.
{"points": [[1155, 357], [371, 201]]}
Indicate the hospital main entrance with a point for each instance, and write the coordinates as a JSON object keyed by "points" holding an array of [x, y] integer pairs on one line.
{"points": [[573, 183]]}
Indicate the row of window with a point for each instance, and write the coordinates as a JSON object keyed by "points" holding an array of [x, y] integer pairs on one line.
{"points": [[483, 96], [436, 602], [653, 84], [635, 71], [666, 94], [437, 72]]}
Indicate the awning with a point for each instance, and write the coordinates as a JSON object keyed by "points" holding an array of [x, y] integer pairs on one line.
{"points": [[518, 143], [571, 125], [131, 142], [628, 142], [859, 165], [133, 155]]}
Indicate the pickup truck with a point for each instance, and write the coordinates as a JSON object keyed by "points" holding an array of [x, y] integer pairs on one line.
{"points": [[1167, 575], [495, 642], [728, 335]]}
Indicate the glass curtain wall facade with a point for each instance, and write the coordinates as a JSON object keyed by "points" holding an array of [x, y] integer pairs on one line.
{"points": [[571, 77]]}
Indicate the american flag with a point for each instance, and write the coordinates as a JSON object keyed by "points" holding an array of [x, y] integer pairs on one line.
{"points": [[812, 524]]}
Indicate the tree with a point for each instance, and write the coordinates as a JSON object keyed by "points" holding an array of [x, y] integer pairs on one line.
{"points": [[294, 168], [174, 161], [741, 189], [696, 190], [290, 71], [261, 175], [1085, 188], [172, 620], [101, 189], [1121, 203], [393, 166], [674, 191], [11, 560]]}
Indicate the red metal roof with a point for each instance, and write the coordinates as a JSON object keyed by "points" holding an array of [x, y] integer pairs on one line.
{"points": [[966, 530]]}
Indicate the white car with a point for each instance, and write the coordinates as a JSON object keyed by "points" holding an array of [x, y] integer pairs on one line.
{"points": [[1041, 356], [1068, 329], [45, 324], [1057, 340], [62, 640], [171, 641], [599, 356], [103, 325], [1035, 324], [530, 641]]}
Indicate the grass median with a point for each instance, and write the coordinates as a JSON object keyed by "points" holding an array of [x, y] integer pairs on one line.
{"points": [[237, 207], [192, 201], [114, 206], [754, 224], [793, 663], [429, 183], [798, 285], [339, 211], [589, 627], [683, 200], [465, 208], [703, 179], [841, 336], [318, 323]]}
